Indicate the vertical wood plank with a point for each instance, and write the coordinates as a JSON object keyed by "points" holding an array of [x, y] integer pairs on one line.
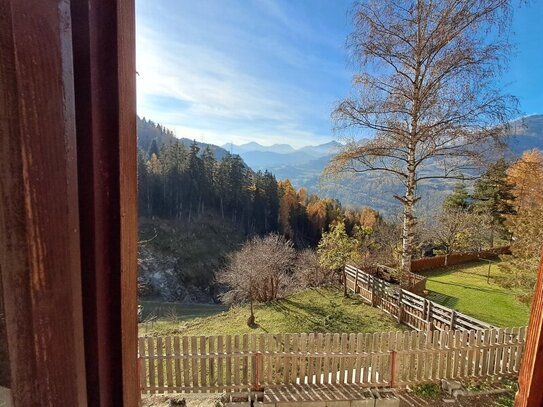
{"points": [[143, 364], [268, 362], [105, 99], [186, 369], [220, 367], [530, 393], [177, 364], [304, 360], [470, 354], [212, 379], [278, 361], [518, 358], [236, 360], [228, 360], [245, 349], [326, 360], [169, 363], [202, 361], [310, 359], [286, 358], [40, 260], [194, 362], [151, 353], [350, 366], [160, 363]]}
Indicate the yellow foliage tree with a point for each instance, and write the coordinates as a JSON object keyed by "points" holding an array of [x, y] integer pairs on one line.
{"points": [[527, 225], [289, 200]]}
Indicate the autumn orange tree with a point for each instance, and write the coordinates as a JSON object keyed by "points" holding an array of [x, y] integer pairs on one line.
{"points": [[425, 92], [520, 268]]}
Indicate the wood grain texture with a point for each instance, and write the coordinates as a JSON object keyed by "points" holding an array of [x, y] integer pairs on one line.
{"points": [[39, 226], [104, 73], [530, 392]]}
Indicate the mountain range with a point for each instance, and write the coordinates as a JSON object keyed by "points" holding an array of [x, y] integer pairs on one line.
{"points": [[260, 157], [303, 166]]}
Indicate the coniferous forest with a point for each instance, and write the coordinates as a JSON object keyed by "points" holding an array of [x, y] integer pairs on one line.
{"points": [[178, 179]]}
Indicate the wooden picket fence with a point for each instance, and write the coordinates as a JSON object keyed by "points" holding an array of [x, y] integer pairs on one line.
{"points": [[408, 308], [257, 361]]}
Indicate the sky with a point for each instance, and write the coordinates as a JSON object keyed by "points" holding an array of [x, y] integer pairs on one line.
{"points": [[271, 71]]}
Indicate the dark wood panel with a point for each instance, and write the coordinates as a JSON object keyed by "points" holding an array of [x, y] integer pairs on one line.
{"points": [[4, 351], [531, 373], [39, 220], [104, 71]]}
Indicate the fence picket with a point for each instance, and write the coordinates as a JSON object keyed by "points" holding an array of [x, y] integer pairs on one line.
{"points": [[186, 373], [194, 361], [212, 362], [177, 363], [303, 360], [245, 359], [151, 355], [169, 363], [142, 364]]}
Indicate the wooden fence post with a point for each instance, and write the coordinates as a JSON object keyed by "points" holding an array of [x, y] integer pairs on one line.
{"points": [[356, 281], [373, 302], [429, 324], [258, 366], [453, 317], [400, 307]]}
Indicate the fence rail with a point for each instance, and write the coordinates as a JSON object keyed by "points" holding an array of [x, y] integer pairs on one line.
{"points": [[408, 308], [254, 361]]}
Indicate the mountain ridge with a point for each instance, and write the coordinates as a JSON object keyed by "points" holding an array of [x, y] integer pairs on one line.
{"points": [[304, 166]]}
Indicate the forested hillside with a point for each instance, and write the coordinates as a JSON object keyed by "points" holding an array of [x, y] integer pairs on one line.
{"points": [[190, 198]]}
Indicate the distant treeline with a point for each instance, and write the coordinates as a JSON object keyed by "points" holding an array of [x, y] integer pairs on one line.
{"points": [[184, 182]]}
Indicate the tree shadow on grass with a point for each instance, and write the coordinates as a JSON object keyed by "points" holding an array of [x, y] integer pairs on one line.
{"points": [[473, 287], [442, 299]]}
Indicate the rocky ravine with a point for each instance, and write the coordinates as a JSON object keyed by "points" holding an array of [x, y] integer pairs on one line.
{"points": [[158, 280]]}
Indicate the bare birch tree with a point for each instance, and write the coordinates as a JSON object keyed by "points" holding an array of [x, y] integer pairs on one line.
{"points": [[426, 92]]}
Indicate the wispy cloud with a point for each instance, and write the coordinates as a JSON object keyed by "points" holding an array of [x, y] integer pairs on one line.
{"points": [[225, 89]]}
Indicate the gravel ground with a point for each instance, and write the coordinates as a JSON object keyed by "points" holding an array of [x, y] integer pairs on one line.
{"points": [[191, 400]]}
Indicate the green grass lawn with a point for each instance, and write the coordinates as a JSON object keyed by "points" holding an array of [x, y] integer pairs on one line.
{"points": [[464, 287], [181, 312], [313, 310]]}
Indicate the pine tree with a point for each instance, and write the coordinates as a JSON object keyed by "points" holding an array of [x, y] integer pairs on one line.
{"points": [[493, 194], [143, 186], [209, 166], [195, 176], [459, 199]]}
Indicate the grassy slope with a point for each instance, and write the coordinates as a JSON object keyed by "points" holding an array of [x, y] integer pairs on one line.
{"points": [[314, 310], [464, 288]]}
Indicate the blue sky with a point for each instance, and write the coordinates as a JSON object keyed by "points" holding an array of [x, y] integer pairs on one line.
{"points": [[269, 71]]}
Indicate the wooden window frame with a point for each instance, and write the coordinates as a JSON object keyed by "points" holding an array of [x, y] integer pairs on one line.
{"points": [[68, 215]]}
